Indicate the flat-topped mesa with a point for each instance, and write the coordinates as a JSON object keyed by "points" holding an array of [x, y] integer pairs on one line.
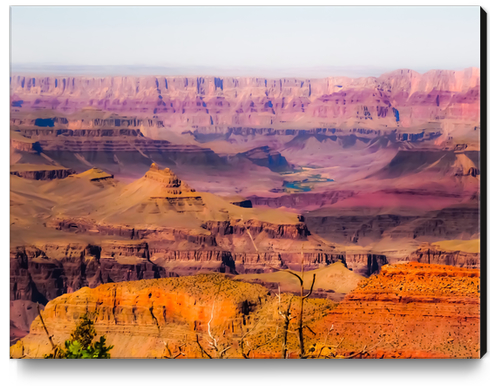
{"points": [[171, 184], [94, 174], [40, 172]]}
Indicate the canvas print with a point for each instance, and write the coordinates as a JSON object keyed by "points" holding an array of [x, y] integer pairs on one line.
{"points": [[245, 182]]}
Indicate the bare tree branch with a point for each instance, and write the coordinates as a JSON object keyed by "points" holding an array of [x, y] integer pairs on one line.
{"points": [[173, 356], [311, 288], [50, 337], [203, 352]]}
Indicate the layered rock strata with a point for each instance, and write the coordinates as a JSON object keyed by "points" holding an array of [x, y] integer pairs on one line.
{"points": [[102, 147], [42, 174], [40, 275]]}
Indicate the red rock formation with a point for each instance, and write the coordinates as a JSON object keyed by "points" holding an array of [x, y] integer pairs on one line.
{"points": [[171, 185], [365, 264], [42, 274], [430, 254], [411, 310], [22, 313], [255, 227], [24, 145], [408, 311]]}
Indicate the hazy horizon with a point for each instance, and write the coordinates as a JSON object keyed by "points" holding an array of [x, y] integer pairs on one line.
{"points": [[102, 71], [243, 41]]}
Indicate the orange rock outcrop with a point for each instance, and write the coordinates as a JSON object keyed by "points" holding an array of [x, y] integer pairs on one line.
{"points": [[138, 317], [411, 310]]}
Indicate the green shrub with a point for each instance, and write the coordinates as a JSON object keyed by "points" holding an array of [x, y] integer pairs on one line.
{"points": [[82, 344]]}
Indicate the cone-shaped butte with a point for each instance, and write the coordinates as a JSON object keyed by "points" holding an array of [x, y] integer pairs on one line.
{"points": [[169, 183]]}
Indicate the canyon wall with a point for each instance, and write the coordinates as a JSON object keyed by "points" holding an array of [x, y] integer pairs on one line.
{"points": [[43, 272], [455, 222], [43, 174], [400, 98]]}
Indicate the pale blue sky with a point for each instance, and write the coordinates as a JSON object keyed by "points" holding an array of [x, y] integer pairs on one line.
{"points": [[249, 40]]}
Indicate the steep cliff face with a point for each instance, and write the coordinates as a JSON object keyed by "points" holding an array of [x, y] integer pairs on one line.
{"points": [[456, 222], [302, 200], [42, 274], [354, 228], [216, 228], [407, 311], [22, 313], [254, 227], [399, 98], [431, 254], [267, 157], [42, 173], [167, 225], [112, 149], [365, 264], [411, 310]]}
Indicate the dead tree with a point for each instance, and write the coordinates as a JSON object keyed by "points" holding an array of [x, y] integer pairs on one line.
{"points": [[56, 350], [203, 351], [171, 355], [287, 318], [243, 342], [302, 298], [286, 315], [218, 349]]}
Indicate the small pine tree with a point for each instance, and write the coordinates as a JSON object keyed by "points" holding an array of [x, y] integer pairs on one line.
{"points": [[82, 344], [84, 332]]}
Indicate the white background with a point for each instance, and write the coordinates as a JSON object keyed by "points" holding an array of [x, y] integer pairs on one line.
{"points": [[202, 372]]}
